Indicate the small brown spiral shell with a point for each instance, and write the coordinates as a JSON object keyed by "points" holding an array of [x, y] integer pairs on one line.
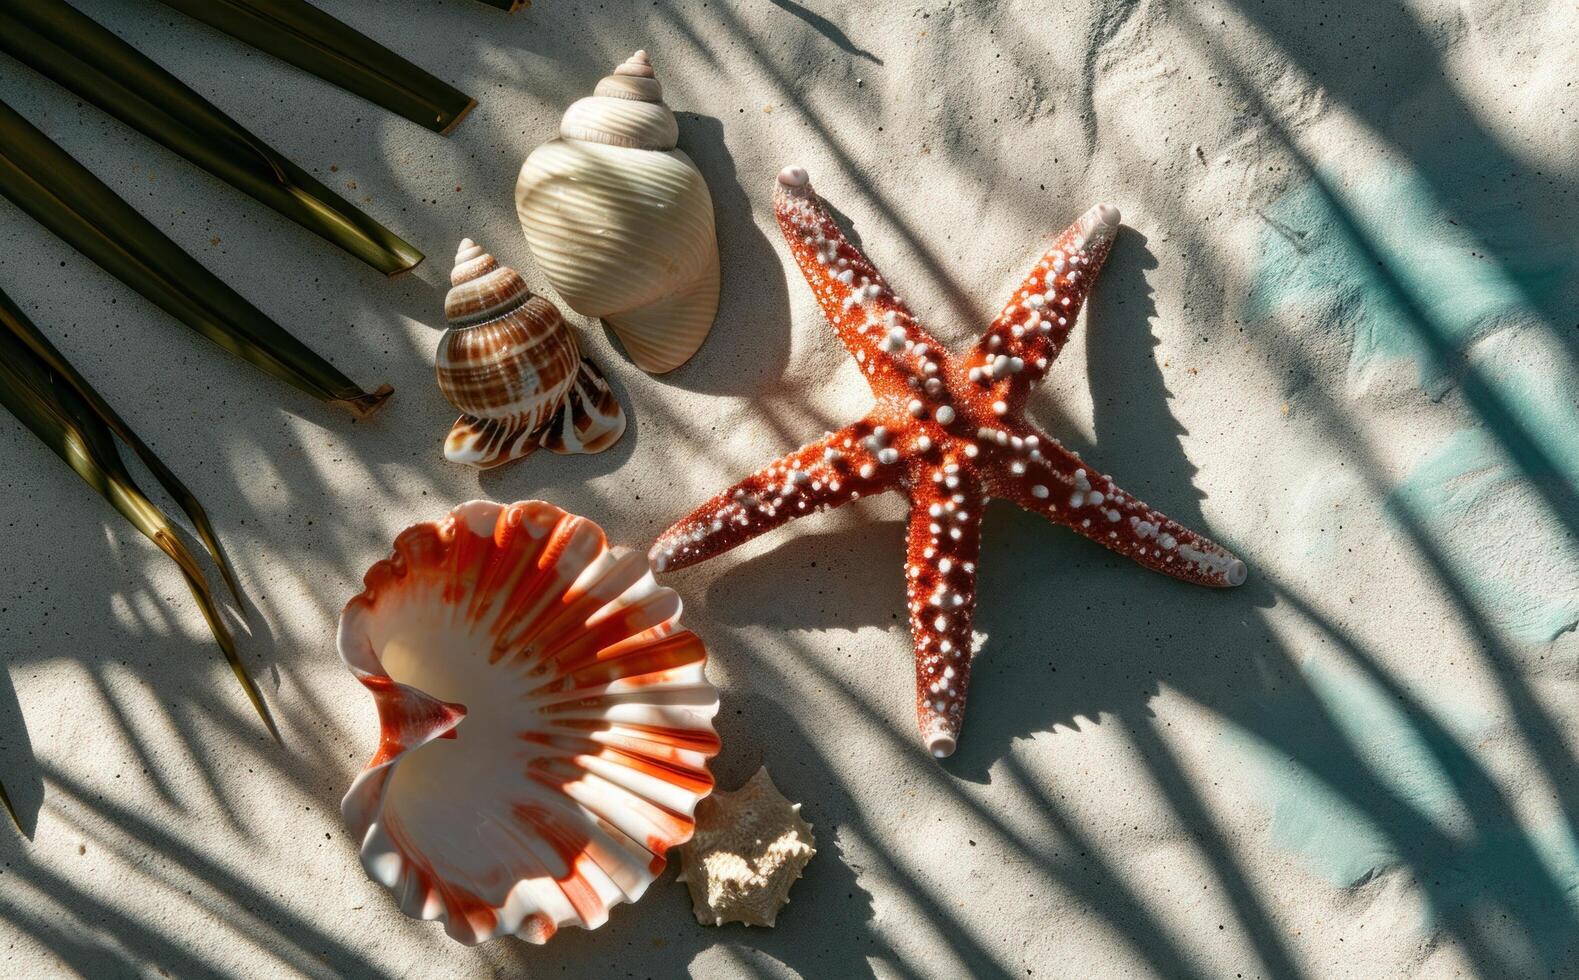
{"points": [[510, 363]]}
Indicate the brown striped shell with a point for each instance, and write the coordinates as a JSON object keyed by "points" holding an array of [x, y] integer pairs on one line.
{"points": [[511, 365], [507, 353]]}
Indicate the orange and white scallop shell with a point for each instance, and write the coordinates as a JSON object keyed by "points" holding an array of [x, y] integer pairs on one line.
{"points": [[545, 724]]}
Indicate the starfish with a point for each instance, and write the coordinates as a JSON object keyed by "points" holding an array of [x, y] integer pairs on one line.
{"points": [[949, 432]]}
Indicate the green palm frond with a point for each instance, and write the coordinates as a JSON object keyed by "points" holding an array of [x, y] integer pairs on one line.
{"points": [[54, 408], [299, 33], [64, 45], [43, 180], [14, 322]]}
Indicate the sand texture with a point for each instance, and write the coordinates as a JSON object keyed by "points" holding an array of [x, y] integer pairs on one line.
{"points": [[1337, 333]]}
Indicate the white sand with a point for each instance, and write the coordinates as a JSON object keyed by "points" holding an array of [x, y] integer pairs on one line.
{"points": [[1359, 764]]}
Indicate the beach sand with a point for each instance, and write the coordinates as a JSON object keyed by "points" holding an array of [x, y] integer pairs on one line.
{"points": [[1337, 333]]}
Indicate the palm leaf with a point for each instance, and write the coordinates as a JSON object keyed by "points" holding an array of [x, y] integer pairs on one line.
{"points": [[62, 44], [15, 322], [297, 32], [68, 424], [43, 180]]}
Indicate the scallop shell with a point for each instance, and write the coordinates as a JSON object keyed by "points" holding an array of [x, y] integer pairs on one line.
{"points": [[545, 723], [750, 846], [511, 365], [621, 222]]}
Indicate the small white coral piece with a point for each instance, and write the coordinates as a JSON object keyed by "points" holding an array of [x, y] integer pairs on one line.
{"points": [[749, 847]]}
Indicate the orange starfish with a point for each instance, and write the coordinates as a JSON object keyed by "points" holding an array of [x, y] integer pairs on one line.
{"points": [[950, 433]]}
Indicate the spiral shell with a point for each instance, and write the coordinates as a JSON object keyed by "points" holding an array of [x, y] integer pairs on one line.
{"points": [[510, 363], [621, 222]]}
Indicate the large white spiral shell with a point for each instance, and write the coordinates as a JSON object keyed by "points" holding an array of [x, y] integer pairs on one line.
{"points": [[621, 222]]}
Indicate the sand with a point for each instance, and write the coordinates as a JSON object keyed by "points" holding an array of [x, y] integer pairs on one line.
{"points": [[1337, 333]]}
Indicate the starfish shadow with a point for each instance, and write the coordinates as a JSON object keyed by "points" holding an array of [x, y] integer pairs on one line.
{"points": [[835, 567], [1017, 689]]}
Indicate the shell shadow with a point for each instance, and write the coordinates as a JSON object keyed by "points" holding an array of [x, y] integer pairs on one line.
{"points": [[748, 347]]}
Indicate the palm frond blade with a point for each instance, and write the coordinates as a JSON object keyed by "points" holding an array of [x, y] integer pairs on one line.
{"points": [[63, 196], [67, 424], [64, 45], [299, 33]]}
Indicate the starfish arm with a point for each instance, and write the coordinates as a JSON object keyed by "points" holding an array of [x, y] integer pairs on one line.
{"points": [[940, 570], [874, 324], [1028, 335], [1050, 480], [840, 467]]}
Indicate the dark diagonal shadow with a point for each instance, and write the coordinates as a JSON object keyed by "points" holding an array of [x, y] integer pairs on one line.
{"points": [[827, 29], [297, 941], [1405, 95], [18, 767]]}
